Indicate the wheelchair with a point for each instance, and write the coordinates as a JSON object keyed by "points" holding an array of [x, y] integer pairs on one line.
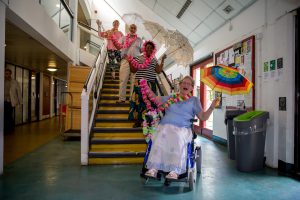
{"points": [[193, 167]]}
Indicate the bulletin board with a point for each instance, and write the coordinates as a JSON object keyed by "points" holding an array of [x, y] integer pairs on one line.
{"points": [[240, 56]]}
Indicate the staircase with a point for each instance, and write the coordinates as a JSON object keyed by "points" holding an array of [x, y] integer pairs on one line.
{"points": [[113, 140]]}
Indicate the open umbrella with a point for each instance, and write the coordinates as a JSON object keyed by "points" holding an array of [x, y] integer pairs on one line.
{"points": [[225, 79], [157, 32], [179, 48], [133, 18]]}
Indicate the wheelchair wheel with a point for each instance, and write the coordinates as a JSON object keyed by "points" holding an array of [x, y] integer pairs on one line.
{"points": [[198, 159], [191, 180]]}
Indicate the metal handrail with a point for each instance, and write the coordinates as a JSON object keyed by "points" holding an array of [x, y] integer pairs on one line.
{"points": [[93, 68], [87, 26], [169, 82], [60, 116]]}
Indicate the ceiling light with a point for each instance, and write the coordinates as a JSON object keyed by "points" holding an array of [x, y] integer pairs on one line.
{"points": [[52, 69], [57, 5], [184, 7]]}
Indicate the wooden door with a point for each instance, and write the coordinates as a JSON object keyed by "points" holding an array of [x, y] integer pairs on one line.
{"points": [[46, 95]]}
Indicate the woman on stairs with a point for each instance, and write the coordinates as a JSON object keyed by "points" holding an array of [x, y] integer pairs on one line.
{"points": [[145, 67], [112, 51]]}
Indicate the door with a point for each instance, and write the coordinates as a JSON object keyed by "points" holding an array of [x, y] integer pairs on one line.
{"points": [[204, 92], [46, 96], [297, 93]]}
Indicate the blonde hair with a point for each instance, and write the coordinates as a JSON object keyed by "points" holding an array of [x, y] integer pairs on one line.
{"points": [[188, 77]]}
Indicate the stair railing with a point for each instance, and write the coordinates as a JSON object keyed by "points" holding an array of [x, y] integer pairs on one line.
{"points": [[164, 84], [89, 100]]}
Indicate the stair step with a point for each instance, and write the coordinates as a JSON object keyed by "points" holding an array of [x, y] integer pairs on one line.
{"points": [[111, 97], [116, 161], [112, 116], [118, 147], [113, 120], [127, 124], [113, 108], [111, 82], [117, 135], [113, 86], [118, 141], [113, 104], [110, 91], [116, 154], [113, 111], [116, 130]]}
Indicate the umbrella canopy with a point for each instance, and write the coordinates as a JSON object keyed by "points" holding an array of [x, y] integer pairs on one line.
{"points": [[225, 79], [157, 32], [133, 18], [179, 48]]}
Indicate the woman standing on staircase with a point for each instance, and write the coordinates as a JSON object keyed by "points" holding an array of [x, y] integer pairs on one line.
{"points": [[112, 51], [146, 67]]}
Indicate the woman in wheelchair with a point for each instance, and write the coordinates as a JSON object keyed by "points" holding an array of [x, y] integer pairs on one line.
{"points": [[169, 143]]}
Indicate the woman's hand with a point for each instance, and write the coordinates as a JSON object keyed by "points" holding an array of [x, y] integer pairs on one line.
{"points": [[98, 22], [215, 102], [164, 57]]}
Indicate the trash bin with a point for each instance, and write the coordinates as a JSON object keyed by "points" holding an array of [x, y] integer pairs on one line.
{"points": [[250, 135], [229, 115]]}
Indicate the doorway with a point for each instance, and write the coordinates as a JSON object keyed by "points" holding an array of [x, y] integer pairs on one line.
{"points": [[202, 91], [297, 94], [46, 96]]}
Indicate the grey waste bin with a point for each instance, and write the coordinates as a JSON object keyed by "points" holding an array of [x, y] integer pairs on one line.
{"points": [[250, 135], [229, 115]]}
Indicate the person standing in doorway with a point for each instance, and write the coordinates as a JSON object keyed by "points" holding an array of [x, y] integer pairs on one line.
{"points": [[12, 98], [130, 45], [112, 51]]}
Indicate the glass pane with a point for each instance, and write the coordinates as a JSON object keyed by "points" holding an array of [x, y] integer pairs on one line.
{"points": [[25, 94], [18, 109], [33, 96], [65, 22]]}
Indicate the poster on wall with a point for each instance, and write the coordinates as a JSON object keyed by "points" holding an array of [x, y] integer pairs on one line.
{"points": [[239, 56], [272, 68], [266, 70], [279, 67]]}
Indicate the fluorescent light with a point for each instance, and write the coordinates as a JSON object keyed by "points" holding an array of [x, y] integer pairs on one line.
{"points": [[51, 69]]}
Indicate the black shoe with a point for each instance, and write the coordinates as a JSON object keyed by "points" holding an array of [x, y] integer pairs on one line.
{"points": [[136, 125]]}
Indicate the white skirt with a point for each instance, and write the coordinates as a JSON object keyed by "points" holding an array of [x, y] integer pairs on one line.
{"points": [[169, 149]]}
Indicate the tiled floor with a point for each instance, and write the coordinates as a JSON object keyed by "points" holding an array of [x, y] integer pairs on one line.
{"points": [[53, 171]]}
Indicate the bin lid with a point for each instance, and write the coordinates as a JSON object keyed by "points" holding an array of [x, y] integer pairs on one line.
{"points": [[250, 115], [230, 114]]}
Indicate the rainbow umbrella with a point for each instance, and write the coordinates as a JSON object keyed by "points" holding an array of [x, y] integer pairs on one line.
{"points": [[225, 79]]}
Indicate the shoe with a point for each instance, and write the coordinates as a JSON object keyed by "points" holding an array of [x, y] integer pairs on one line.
{"points": [[120, 102], [136, 125], [172, 175], [151, 173]]}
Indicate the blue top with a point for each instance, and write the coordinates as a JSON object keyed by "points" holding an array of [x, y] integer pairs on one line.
{"points": [[179, 114]]}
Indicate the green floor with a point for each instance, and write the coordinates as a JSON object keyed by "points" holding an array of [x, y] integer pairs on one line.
{"points": [[54, 172]]}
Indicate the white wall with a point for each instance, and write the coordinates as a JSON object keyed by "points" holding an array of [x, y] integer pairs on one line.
{"points": [[272, 25], [40, 26], [2, 61]]}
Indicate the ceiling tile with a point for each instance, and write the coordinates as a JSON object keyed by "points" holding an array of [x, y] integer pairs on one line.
{"points": [[214, 3], [203, 30], [214, 21], [199, 9], [194, 37], [236, 6], [190, 20], [149, 3], [172, 20], [246, 2], [171, 5]]}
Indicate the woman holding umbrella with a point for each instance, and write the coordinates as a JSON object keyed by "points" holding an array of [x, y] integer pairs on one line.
{"points": [[169, 143]]}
